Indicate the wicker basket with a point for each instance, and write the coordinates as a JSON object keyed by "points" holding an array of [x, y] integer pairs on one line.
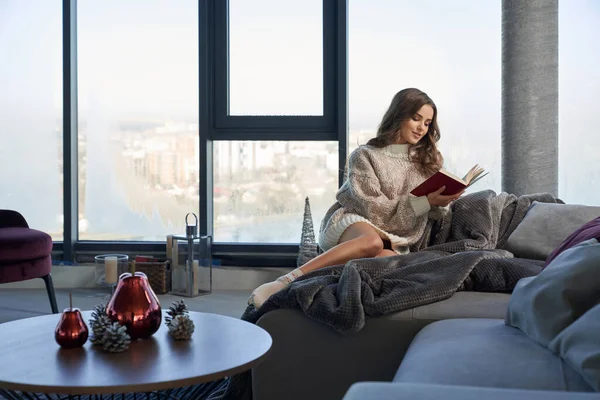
{"points": [[158, 273]]}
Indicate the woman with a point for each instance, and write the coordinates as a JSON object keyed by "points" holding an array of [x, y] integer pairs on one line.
{"points": [[375, 215]]}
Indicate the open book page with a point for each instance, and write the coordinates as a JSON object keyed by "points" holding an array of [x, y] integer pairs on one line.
{"points": [[473, 174], [476, 178], [451, 175]]}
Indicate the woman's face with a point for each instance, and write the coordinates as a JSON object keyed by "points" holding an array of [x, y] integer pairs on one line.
{"points": [[413, 130]]}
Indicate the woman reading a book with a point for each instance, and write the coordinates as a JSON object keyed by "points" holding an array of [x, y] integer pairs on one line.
{"points": [[375, 215]]}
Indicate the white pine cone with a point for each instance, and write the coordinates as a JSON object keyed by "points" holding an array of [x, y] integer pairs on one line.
{"points": [[98, 328], [181, 327], [116, 338], [177, 308], [99, 310]]}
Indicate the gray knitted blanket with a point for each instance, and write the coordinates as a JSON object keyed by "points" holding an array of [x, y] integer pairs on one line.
{"points": [[462, 251]]}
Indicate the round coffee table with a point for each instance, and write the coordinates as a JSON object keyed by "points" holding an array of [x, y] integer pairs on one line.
{"points": [[32, 361]]}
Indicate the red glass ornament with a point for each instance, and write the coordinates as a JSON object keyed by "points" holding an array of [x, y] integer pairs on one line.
{"points": [[135, 305], [71, 330]]}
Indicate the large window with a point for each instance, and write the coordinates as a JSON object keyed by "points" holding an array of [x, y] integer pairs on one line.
{"points": [[138, 118], [260, 188], [579, 91], [275, 127], [31, 112], [275, 57], [449, 49], [270, 80]]}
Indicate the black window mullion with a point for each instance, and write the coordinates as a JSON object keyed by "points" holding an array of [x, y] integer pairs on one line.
{"points": [[221, 59], [273, 135], [341, 89], [207, 66], [70, 159], [329, 61], [276, 123]]}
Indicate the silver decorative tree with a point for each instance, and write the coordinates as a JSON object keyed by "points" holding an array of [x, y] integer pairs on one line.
{"points": [[308, 231], [308, 246]]}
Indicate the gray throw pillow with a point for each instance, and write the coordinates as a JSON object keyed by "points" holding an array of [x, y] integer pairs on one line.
{"points": [[579, 346], [545, 226], [544, 305]]}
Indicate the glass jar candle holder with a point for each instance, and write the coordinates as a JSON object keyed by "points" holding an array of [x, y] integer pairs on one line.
{"points": [[108, 269]]}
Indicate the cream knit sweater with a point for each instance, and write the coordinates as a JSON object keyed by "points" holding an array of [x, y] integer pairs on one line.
{"points": [[376, 191]]}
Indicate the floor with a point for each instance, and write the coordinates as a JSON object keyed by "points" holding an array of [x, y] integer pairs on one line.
{"points": [[24, 303]]}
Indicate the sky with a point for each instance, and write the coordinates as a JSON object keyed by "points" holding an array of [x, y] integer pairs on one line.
{"points": [[138, 61], [393, 43]]}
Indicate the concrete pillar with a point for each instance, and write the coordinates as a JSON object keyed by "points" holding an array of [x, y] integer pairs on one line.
{"points": [[530, 96]]}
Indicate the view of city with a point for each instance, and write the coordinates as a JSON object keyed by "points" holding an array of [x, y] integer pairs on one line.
{"points": [[138, 108]]}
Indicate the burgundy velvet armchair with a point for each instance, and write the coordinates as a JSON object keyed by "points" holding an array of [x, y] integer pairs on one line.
{"points": [[25, 253]]}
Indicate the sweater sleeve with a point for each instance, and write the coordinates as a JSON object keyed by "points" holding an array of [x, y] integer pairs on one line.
{"points": [[361, 193], [438, 212]]}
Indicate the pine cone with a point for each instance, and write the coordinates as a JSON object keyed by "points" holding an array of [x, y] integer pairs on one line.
{"points": [[98, 328], [181, 327], [98, 323], [115, 338], [178, 308], [99, 311]]}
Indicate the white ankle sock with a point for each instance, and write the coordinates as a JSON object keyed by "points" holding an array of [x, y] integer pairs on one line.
{"points": [[264, 291], [291, 276]]}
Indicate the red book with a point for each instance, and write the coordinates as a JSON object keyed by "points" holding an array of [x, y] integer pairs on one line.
{"points": [[453, 183]]}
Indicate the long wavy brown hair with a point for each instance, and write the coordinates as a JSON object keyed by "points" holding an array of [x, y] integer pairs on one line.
{"points": [[405, 104]]}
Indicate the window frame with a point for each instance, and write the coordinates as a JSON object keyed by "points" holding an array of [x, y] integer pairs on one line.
{"points": [[287, 127], [214, 124]]}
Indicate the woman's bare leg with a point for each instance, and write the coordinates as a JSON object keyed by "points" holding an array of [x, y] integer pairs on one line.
{"points": [[360, 240], [387, 253]]}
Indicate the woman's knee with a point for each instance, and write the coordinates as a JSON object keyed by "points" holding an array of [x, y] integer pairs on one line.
{"points": [[371, 245], [365, 237]]}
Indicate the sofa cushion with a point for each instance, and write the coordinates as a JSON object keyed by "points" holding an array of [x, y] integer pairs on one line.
{"points": [[579, 345], [544, 305], [485, 353], [545, 226], [559, 308], [590, 230], [459, 305], [416, 391]]}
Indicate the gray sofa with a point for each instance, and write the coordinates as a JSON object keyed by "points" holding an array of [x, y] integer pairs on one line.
{"points": [[458, 348], [461, 341]]}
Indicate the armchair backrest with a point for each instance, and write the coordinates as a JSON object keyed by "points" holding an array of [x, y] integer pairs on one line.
{"points": [[12, 219]]}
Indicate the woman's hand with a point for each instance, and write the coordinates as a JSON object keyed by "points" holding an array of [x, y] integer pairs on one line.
{"points": [[438, 199]]}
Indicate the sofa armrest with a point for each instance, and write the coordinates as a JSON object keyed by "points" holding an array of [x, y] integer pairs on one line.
{"points": [[309, 360], [12, 219], [415, 391]]}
